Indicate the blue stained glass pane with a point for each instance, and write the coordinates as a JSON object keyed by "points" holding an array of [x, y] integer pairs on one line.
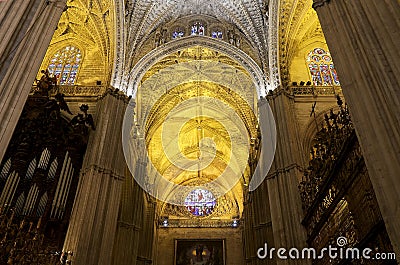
{"points": [[63, 80], [315, 74], [194, 29], [326, 77], [334, 74], [71, 80], [201, 30], [51, 68], [322, 70], [216, 34], [198, 29], [177, 34], [65, 64]]}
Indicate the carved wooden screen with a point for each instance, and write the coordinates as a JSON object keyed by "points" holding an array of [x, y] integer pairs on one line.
{"points": [[337, 194]]}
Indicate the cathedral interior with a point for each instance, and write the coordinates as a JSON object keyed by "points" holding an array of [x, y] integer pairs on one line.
{"points": [[192, 132]]}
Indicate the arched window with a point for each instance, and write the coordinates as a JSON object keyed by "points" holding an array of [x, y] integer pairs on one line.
{"points": [[178, 33], [217, 34], [323, 72], [198, 29], [65, 65]]}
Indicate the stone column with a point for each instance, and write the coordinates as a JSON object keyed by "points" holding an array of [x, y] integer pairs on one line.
{"points": [[145, 252], [26, 30], [283, 179], [363, 37], [257, 226], [93, 224], [257, 223], [130, 221]]}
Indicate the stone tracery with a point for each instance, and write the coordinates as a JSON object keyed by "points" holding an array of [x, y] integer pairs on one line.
{"points": [[248, 17]]}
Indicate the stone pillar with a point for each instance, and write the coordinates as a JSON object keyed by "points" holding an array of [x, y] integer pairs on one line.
{"points": [[283, 179], [363, 38], [93, 224], [257, 223], [145, 253], [257, 226], [27, 29], [130, 221]]}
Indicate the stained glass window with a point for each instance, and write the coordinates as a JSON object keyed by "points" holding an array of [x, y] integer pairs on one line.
{"points": [[197, 29], [178, 33], [321, 67], [200, 202], [217, 34], [65, 65]]}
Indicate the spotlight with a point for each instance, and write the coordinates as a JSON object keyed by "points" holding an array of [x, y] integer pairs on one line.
{"points": [[165, 222], [235, 223]]}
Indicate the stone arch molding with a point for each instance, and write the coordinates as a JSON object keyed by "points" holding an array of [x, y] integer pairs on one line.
{"points": [[144, 64], [133, 134]]}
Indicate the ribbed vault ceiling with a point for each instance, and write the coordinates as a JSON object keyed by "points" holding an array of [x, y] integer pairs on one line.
{"points": [[145, 16]]}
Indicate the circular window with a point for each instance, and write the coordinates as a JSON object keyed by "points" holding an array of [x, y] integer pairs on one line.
{"points": [[200, 202]]}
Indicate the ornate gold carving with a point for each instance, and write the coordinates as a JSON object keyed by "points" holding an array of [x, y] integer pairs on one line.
{"points": [[189, 142]]}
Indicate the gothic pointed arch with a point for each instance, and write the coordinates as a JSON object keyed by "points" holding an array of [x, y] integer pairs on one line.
{"points": [[144, 64]]}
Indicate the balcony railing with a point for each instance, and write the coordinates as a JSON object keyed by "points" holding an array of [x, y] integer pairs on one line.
{"points": [[76, 90], [315, 90]]}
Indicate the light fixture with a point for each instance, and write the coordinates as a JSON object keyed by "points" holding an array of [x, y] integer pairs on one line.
{"points": [[165, 221], [235, 222]]}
